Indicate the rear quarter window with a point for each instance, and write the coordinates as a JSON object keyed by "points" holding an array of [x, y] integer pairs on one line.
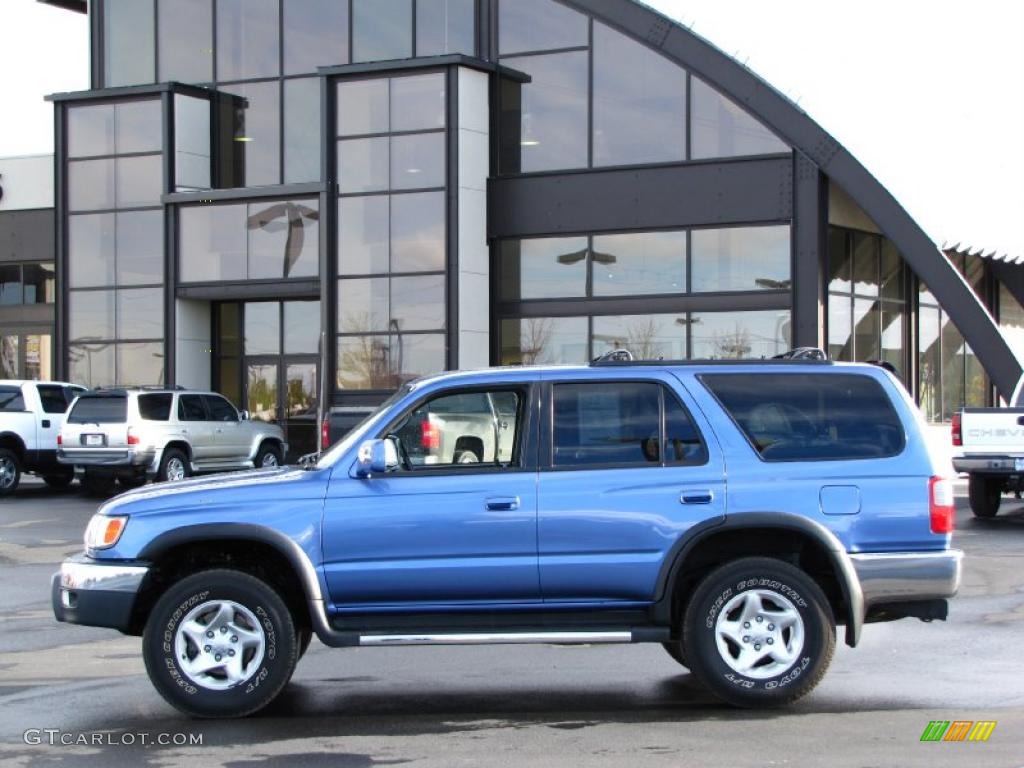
{"points": [[11, 399], [155, 407], [810, 417], [99, 410]]}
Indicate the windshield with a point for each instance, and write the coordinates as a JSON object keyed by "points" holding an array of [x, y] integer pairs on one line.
{"points": [[358, 432]]}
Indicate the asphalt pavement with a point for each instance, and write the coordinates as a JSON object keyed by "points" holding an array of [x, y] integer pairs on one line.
{"points": [[79, 696]]}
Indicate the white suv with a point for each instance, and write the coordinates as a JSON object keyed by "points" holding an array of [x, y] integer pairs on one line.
{"points": [[131, 435]]}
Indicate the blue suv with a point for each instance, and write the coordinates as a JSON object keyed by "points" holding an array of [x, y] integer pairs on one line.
{"points": [[736, 513]]}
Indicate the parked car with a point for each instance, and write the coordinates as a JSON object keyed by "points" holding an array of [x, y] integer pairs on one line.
{"points": [[31, 414], [131, 435], [608, 518]]}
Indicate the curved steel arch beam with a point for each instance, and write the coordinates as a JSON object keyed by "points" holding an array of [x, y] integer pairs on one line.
{"points": [[808, 138]]}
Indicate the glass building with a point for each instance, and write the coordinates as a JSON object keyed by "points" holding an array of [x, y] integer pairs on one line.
{"points": [[304, 203]]}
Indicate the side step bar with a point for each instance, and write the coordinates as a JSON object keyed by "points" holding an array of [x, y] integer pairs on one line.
{"points": [[487, 638]]}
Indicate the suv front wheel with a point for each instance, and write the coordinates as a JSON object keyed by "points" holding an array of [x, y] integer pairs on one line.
{"points": [[220, 643], [759, 632]]}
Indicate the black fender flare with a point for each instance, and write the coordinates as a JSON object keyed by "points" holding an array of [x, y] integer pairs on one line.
{"points": [[842, 565], [19, 444]]}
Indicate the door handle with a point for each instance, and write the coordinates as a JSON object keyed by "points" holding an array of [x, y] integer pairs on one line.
{"points": [[503, 504], [46, 423], [697, 497]]}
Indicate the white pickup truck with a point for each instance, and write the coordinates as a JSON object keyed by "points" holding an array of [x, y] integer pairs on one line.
{"points": [[992, 442], [31, 415]]}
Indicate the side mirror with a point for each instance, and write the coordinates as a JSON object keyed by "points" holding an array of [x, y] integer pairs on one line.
{"points": [[243, 415], [376, 457]]}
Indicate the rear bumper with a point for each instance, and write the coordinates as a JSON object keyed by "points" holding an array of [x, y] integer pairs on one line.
{"points": [[94, 593], [894, 577], [991, 465], [107, 458]]}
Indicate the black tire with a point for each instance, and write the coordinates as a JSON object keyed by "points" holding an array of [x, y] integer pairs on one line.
{"points": [[62, 480], [262, 683], [169, 464], [10, 471], [676, 651], [266, 451], [985, 495], [778, 588], [305, 637], [99, 484], [467, 456], [135, 481]]}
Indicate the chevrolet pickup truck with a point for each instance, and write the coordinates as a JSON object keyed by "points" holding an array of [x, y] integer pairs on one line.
{"points": [[992, 445]]}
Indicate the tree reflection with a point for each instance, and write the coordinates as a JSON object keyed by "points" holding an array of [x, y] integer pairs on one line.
{"points": [[293, 216]]}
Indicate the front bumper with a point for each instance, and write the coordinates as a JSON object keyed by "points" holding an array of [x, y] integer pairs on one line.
{"points": [[96, 593], [992, 464], [895, 577]]}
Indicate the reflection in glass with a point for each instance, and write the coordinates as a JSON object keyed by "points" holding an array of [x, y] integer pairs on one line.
{"points": [[953, 361], [363, 235], [39, 357], [865, 264], [140, 313], [229, 329], [647, 337], [362, 107], [544, 268], [892, 336], [262, 392], [417, 102], [90, 130], [554, 111], [416, 354], [720, 128], [40, 282], [976, 381], [283, 239], [417, 232], [212, 242], [639, 263], [139, 181], [363, 305], [301, 130], [247, 39], [381, 29], [538, 25], [128, 55], [839, 260], [541, 340], [739, 335], [315, 34], [191, 143], [892, 271], [929, 368], [91, 315], [185, 41], [140, 252], [363, 165], [230, 379], [445, 26], [139, 126], [91, 250], [10, 284], [1011, 321], [386, 362], [840, 339], [90, 185], [258, 131], [300, 397], [417, 161], [9, 357], [141, 364], [639, 102], [866, 330], [263, 328], [91, 365], [417, 303], [741, 259], [301, 327]]}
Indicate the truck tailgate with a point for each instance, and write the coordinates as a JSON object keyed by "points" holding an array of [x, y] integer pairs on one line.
{"points": [[993, 431]]}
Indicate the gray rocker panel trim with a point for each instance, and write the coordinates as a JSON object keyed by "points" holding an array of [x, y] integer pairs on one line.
{"points": [[796, 128]]}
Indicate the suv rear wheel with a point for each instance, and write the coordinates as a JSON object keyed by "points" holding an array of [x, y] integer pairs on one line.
{"points": [[220, 643], [985, 494], [10, 471], [269, 455], [173, 466], [759, 632]]}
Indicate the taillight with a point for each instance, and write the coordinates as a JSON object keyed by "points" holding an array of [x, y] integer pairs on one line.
{"points": [[941, 509], [325, 435], [957, 433], [430, 436], [60, 440], [132, 439]]}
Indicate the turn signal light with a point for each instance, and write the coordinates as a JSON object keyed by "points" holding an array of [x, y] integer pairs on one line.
{"points": [[104, 531], [942, 511], [955, 430]]}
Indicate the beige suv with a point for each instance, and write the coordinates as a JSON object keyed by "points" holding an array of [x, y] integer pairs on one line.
{"points": [[131, 435]]}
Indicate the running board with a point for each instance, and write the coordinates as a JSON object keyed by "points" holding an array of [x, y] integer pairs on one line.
{"points": [[488, 638]]}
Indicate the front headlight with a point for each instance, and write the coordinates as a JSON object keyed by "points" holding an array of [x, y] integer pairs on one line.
{"points": [[104, 531]]}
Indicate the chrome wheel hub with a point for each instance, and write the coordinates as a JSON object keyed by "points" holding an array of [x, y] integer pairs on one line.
{"points": [[7, 473], [175, 469], [219, 644], [270, 460], [759, 634]]}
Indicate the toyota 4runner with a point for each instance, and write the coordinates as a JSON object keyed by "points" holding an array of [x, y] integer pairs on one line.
{"points": [[735, 513]]}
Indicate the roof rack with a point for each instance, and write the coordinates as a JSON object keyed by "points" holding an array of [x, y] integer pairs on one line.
{"points": [[140, 387], [614, 356], [803, 353], [799, 355]]}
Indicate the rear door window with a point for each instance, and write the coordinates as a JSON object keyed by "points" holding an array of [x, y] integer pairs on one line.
{"points": [[810, 417], [99, 409], [190, 408], [156, 407], [52, 398]]}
